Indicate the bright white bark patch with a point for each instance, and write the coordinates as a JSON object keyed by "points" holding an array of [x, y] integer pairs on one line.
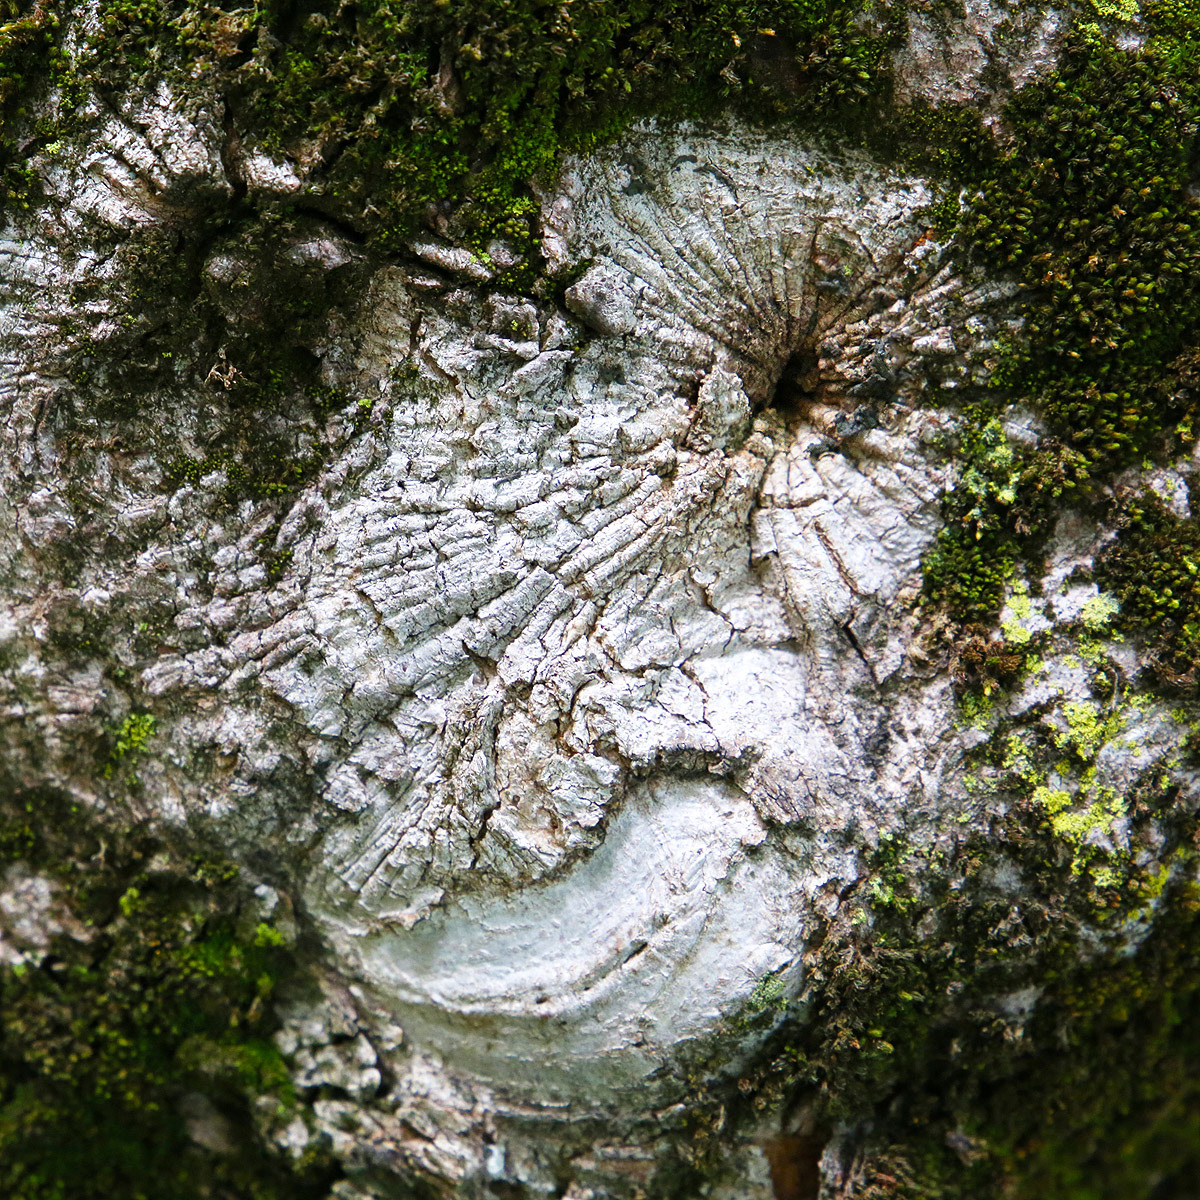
{"points": [[616, 602]]}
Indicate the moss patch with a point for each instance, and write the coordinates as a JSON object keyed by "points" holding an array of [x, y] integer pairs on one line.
{"points": [[157, 999], [1004, 1054], [436, 107], [28, 49], [1090, 208], [1153, 570], [461, 104]]}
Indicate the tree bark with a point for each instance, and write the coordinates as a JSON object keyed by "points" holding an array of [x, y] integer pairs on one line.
{"points": [[551, 662]]}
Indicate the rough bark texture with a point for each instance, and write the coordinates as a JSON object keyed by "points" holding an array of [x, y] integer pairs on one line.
{"points": [[552, 665]]}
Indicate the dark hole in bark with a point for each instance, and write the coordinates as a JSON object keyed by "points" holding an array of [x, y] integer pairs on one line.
{"points": [[798, 382], [795, 1161], [246, 46]]}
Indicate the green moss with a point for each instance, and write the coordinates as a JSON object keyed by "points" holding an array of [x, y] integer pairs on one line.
{"points": [[136, 730], [1006, 1056], [890, 888], [1088, 207], [767, 994], [259, 479], [1131, 1126], [128, 743], [268, 935], [467, 101], [994, 516], [454, 106], [1121, 11], [1153, 569], [28, 49], [160, 997]]}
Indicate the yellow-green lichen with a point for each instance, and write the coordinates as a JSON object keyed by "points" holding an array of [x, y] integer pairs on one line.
{"points": [[1087, 729], [1019, 760], [1074, 821], [1098, 612], [1015, 634], [975, 710]]}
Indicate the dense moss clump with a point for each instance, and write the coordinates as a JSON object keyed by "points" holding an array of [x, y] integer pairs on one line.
{"points": [[133, 1045], [27, 50], [1090, 207], [1153, 569]]}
